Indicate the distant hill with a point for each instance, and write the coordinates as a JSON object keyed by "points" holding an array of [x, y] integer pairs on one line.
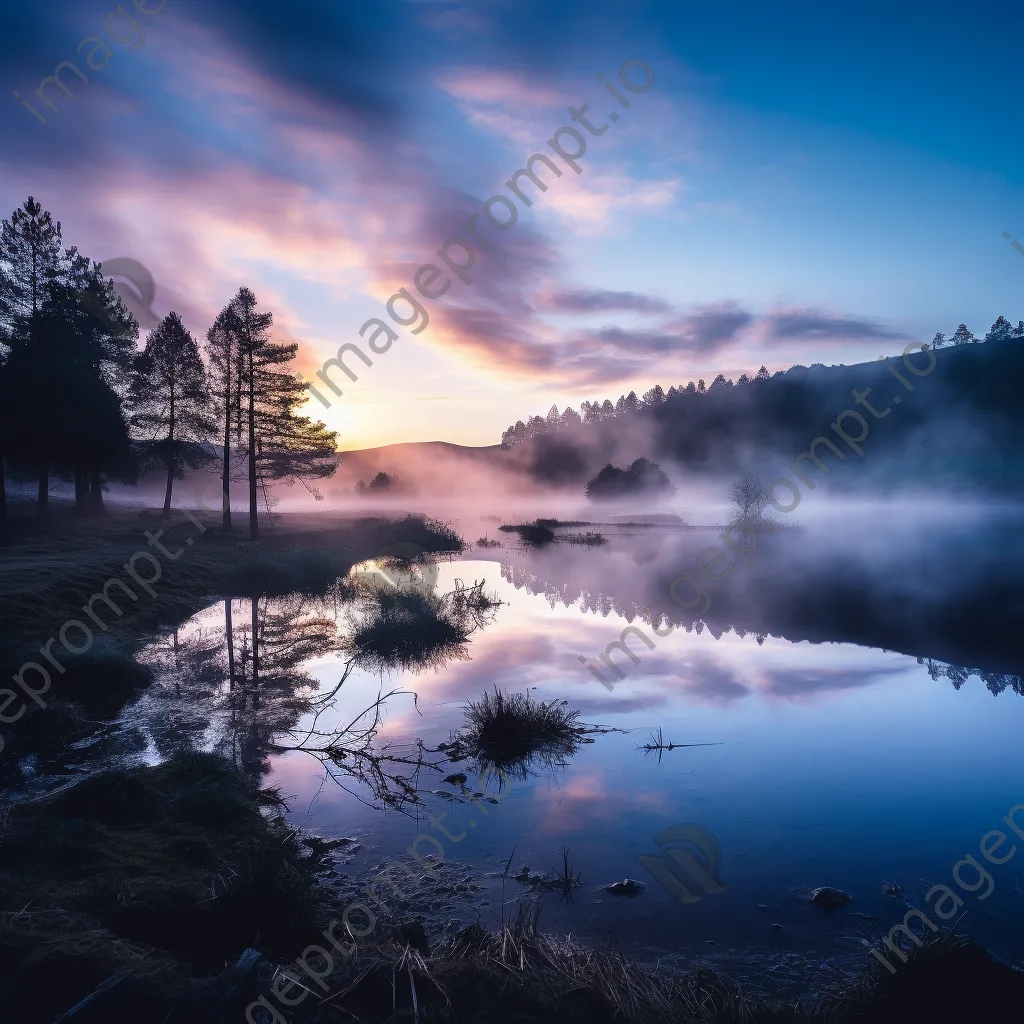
{"points": [[431, 467]]}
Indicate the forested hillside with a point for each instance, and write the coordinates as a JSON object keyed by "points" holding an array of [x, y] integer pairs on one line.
{"points": [[957, 424]]}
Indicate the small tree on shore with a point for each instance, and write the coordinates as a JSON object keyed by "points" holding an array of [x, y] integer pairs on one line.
{"points": [[750, 496]]}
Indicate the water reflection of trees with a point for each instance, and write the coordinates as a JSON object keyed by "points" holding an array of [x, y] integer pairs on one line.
{"points": [[995, 682], [233, 686], [604, 604], [408, 628], [240, 686]]}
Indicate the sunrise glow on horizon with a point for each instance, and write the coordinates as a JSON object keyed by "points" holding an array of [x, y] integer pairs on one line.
{"points": [[723, 220]]}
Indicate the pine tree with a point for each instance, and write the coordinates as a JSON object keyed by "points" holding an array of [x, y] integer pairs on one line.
{"points": [[106, 348], [172, 400], [31, 258], [1001, 330], [224, 373], [6, 426], [32, 253], [70, 342], [280, 444], [962, 336], [69, 415]]}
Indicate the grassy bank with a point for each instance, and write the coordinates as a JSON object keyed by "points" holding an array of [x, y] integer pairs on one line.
{"points": [[156, 874], [50, 577]]}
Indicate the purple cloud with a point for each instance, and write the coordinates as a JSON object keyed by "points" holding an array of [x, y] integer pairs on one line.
{"points": [[595, 300], [813, 325]]}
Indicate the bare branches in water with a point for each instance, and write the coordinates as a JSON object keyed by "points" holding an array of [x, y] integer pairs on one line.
{"points": [[392, 627]]}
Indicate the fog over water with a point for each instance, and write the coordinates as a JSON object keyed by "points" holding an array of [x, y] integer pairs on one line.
{"points": [[853, 698]]}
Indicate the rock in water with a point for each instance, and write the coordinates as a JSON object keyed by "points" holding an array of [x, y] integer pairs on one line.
{"points": [[627, 887], [828, 898]]}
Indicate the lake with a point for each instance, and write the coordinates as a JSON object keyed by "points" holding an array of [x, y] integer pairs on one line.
{"points": [[845, 711]]}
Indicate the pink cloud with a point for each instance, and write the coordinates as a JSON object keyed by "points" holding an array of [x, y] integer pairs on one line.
{"points": [[484, 85]]}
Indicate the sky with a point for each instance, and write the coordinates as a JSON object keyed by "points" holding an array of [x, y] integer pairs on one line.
{"points": [[798, 184]]}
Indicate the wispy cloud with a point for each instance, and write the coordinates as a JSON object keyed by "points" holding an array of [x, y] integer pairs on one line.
{"points": [[814, 325], [796, 683], [596, 300]]}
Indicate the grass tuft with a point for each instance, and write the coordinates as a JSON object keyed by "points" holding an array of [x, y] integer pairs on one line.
{"points": [[514, 732]]}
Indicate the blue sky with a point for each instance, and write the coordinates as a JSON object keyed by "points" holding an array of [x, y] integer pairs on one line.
{"points": [[805, 184]]}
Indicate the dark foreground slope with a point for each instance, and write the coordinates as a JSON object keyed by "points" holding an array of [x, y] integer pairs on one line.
{"points": [[159, 895]]}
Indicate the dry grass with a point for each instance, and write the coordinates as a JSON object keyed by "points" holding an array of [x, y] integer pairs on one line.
{"points": [[513, 734], [405, 627], [520, 975]]}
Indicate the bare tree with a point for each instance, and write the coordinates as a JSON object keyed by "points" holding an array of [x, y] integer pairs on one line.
{"points": [[750, 496]]}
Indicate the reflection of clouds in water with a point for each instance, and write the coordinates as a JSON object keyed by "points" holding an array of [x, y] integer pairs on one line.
{"points": [[532, 646], [713, 682], [584, 798], [591, 798], [796, 683], [639, 702], [508, 662]]}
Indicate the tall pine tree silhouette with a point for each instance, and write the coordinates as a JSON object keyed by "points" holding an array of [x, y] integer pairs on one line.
{"points": [[68, 344], [107, 341], [224, 372], [281, 445], [31, 255], [172, 401]]}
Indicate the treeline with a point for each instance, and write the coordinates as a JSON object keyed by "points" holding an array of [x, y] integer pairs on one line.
{"points": [[79, 399], [597, 412], [955, 428]]}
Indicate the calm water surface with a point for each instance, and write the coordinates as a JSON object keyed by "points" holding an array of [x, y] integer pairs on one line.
{"points": [[811, 749]]}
